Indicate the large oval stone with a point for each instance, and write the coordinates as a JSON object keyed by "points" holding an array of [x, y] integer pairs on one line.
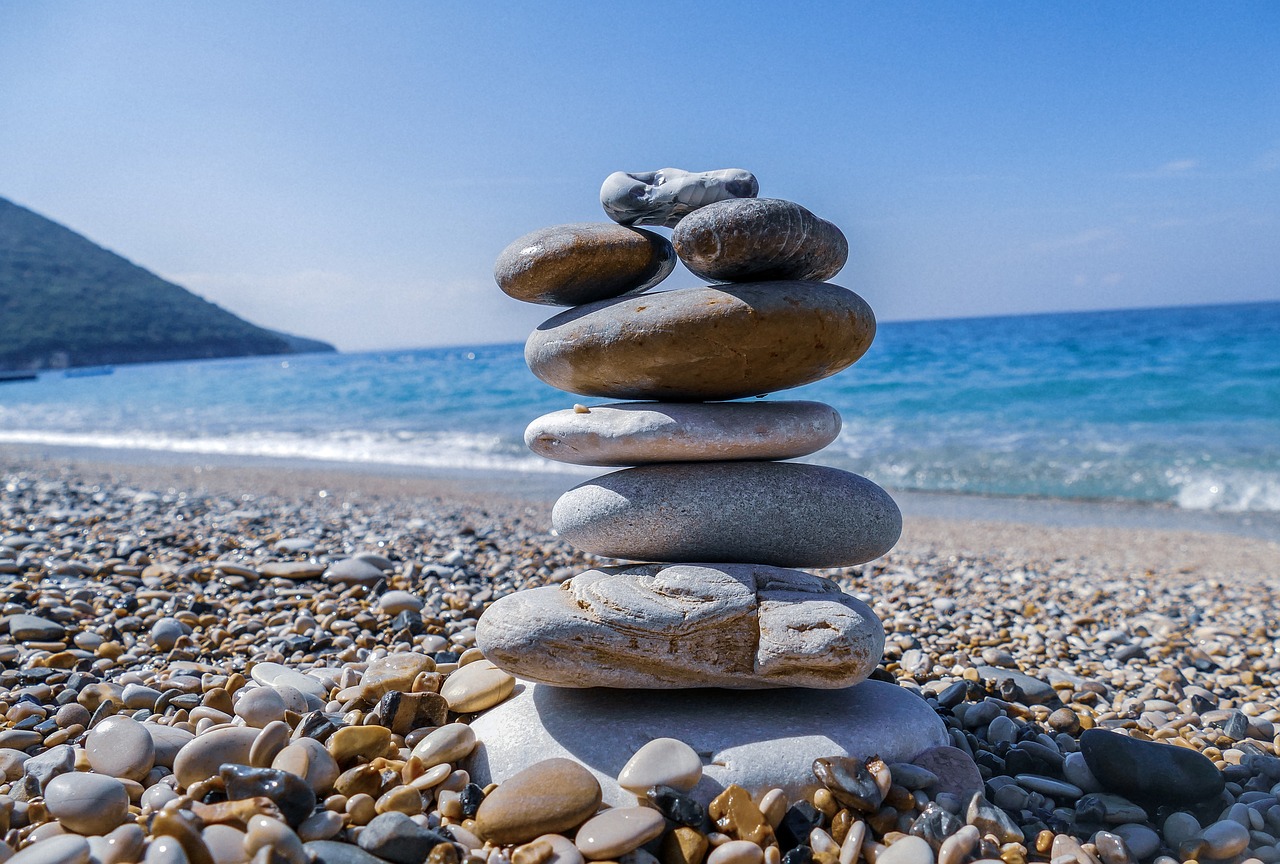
{"points": [[703, 344], [757, 739], [566, 265], [1147, 771], [657, 626], [754, 239], [551, 796], [781, 513], [636, 433]]}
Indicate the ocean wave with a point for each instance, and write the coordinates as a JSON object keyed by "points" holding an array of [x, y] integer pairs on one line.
{"points": [[448, 450]]}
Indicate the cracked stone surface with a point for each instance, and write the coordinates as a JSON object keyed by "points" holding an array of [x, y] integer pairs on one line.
{"points": [[744, 626]]}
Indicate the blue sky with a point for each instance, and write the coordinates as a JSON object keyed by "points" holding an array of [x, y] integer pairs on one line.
{"points": [[351, 172]]}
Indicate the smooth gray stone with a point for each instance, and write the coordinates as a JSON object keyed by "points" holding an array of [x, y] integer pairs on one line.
{"points": [[637, 433], [61, 849], [87, 803], [33, 628], [782, 513], [756, 739], [752, 240], [956, 771], [703, 344], [666, 196], [567, 265], [50, 763], [337, 852], [742, 626], [395, 837], [353, 571]]}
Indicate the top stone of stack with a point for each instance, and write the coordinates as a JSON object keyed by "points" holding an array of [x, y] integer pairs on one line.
{"points": [[666, 196]]}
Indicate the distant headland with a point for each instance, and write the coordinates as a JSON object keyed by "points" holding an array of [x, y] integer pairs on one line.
{"points": [[67, 302]]}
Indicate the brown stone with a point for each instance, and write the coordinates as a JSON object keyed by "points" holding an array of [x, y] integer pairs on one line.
{"points": [[703, 344], [754, 239], [442, 853], [554, 795], [735, 814], [566, 265], [684, 845]]}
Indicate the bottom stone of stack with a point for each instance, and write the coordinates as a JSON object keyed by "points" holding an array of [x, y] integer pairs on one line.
{"points": [[756, 739], [741, 626]]}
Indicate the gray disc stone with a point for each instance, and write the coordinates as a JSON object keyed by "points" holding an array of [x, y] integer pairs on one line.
{"points": [[742, 626], [756, 239], [666, 196], [33, 628], [566, 265], [782, 513], [637, 433], [703, 344], [757, 739]]}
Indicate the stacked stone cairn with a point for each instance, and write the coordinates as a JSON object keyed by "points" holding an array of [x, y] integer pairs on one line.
{"points": [[713, 516]]}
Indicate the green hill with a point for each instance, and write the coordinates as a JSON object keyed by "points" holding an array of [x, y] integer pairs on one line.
{"points": [[65, 301]]}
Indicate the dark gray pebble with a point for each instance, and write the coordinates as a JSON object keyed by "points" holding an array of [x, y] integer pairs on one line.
{"points": [[1148, 771], [290, 793], [397, 838], [333, 852]]}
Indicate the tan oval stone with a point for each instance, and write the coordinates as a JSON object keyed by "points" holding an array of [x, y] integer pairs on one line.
{"points": [[551, 796], [449, 743], [703, 344], [736, 852], [781, 513], [618, 831], [662, 762], [350, 742], [477, 686], [307, 758], [752, 239], [637, 433], [566, 265], [393, 672]]}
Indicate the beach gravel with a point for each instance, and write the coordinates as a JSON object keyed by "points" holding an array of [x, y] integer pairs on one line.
{"points": [[182, 604]]}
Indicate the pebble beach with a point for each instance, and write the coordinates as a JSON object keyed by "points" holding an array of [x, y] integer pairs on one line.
{"points": [[214, 664]]}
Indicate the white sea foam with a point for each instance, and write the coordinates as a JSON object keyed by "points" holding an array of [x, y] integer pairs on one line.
{"points": [[421, 450], [1230, 492]]}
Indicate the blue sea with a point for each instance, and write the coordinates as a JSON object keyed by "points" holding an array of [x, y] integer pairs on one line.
{"points": [[1177, 407]]}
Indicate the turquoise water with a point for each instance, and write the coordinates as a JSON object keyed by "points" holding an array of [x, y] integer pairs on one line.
{"points": [[1174, 406]]}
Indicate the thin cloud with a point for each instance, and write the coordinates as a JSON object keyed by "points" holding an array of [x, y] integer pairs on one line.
{"points": [[1267, 162], [1089, 238], [1172, 168]]}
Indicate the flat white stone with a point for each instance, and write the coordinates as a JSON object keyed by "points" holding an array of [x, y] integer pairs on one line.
{"points": [[783, 513], [637, 433], [274, 674], [662, 762], [757, 739], [685, 625]]}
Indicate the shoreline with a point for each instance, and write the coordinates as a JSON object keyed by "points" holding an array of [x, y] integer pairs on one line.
{"points": [[543, 488]]}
